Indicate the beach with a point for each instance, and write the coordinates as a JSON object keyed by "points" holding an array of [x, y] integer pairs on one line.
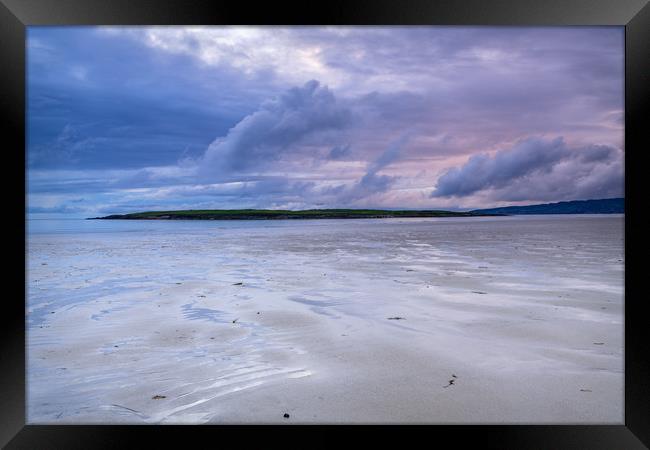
{"points": [[488, 320]]}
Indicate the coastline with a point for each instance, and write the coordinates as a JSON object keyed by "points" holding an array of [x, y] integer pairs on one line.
{"points": [[287, 215]]}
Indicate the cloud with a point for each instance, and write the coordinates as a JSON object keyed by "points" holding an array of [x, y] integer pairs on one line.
{"points": [[339, 151], [389, 155], [537, 169], [277, 127], [250, 50], [140, 108], [66, 148], [371, 182]]}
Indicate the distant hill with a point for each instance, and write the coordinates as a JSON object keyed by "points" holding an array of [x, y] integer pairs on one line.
{"points": [[270, 214], [602, 206]]}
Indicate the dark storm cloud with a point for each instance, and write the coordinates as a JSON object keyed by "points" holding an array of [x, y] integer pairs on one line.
{"points": [[138, 108], [535, 168], [278, 126]]}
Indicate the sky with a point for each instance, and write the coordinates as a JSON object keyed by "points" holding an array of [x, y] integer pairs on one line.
{"points": [[126, 119]]}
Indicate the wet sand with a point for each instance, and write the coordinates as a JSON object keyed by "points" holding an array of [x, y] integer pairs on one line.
{"points": [[478, 320]]}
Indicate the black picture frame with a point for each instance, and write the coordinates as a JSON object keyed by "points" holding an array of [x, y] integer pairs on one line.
{"points": [[16, 15]]}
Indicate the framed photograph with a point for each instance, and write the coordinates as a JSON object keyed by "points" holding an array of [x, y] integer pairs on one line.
{"points": [[355, 214]]}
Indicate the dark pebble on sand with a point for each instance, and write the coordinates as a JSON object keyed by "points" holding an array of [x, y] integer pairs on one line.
{"points": [[451, 383]]}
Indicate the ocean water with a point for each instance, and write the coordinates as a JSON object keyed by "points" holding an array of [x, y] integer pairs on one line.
{"points": [[114, 308]]}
